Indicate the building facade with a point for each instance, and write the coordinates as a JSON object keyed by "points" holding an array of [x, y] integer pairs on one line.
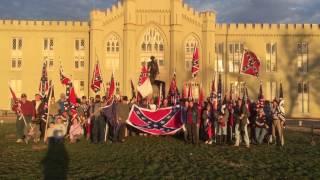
{"points": [[124, 36]]}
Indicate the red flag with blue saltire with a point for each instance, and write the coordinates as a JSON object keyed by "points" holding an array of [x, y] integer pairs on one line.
{"points": [[63, 78], [44, 82], [250, 63], [96, 79], [195, 62]]}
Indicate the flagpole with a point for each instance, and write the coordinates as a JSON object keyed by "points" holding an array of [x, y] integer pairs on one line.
{"points": [[48, 115]]}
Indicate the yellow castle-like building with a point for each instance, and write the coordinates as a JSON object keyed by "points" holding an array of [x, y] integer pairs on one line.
{"points": [[127, 34]]}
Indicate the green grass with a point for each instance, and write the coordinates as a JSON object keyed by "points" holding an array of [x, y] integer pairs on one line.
{"points": [[158, 158]]}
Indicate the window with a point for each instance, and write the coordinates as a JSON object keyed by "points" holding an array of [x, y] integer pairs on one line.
{"points": [[190, 44], [79, 56], [219, 48], [235, 52], [113, 52], [48, 44], [50, 62], [17, 44], [152, 45], [303, 97], [271, 57], [16, 63], [302, 52], [16, 54], [79, 86], [79, 62], [79, 44], [271, 90]]}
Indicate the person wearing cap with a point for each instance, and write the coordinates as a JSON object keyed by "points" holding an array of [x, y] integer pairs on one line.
{"points": [[24, 117], [277, 123]]}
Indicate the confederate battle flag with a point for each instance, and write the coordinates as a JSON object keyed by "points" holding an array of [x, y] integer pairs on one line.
{"points": [[250, 63], [96, 79], [163, 121], [195, 62]]}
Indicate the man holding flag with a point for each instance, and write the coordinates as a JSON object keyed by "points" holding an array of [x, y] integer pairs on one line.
{"points": [[25, 113]]}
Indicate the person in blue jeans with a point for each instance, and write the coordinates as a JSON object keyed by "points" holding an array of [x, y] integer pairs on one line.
{"points": [[261, 126]]}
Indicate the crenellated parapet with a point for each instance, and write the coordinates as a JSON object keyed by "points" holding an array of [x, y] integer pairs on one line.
{"points": [[108, 15], [264, 28], [44, 25]]}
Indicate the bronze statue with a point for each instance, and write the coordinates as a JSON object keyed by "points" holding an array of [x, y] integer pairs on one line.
{"points": [[153, 69]]}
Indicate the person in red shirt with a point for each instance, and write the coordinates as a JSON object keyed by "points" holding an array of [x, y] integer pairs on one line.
{"points": [[25, 113]]}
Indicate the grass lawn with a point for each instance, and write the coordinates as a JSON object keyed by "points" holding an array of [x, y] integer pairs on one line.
{"points": [[157, 158]]}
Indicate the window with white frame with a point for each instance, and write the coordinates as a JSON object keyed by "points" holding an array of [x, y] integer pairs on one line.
{"points": [[271, 57], [79, 62], [79, 55], [302, 53], [190, 44], [16, 44], [271, 90], [48, 52], [79, 44], [219, 47], [303, 97], [16, 54], [48, 44], [79, 87], [112, 52], [152, 45], [50, 61], [235, 51]]}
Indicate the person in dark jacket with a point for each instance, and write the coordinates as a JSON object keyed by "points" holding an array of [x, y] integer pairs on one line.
{"points": [[184, 110], [193, 123], [122, 113]]}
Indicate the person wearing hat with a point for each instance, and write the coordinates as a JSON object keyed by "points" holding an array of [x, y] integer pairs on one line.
{"points": [[277, 123], [25, 113]]}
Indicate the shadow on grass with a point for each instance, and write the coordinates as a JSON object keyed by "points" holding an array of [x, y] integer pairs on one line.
{"points": [[55, 163]]}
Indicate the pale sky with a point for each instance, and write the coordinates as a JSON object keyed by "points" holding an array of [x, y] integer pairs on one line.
{"points": [[258, 11]]}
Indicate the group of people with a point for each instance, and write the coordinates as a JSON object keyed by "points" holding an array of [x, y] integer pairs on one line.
{"points": [[233, 122], [101, 120]]}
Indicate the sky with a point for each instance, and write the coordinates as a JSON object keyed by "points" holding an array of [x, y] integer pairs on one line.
{"points": [[228, 11]]}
